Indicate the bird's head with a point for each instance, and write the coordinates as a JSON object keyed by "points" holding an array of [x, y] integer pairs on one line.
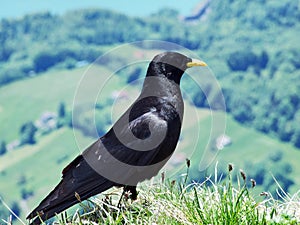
{"points": [[171, 65]]}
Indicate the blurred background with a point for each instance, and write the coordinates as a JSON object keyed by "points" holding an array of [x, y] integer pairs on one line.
{"points": [[252, 47]]}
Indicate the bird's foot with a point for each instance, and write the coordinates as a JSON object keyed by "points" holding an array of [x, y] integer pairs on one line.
{"points": [[129, 192]]}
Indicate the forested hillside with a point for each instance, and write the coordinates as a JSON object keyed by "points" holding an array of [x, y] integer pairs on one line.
{"points": [[251, 46]]}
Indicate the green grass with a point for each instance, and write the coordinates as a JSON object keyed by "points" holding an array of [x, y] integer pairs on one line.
{"points": [[170, 202]]}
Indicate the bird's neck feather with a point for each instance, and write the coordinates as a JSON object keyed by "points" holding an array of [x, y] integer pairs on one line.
{"points": [[164, 88]]}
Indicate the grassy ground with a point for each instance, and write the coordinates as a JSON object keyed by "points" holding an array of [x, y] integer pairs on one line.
{"points": [[170, 202]]}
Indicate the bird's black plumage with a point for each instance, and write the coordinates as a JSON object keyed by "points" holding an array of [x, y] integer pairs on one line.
{"points": [[135, 148]]}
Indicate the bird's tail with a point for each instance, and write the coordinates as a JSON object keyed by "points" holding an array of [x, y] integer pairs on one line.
{"points": [[57, 201], [51, 205]]}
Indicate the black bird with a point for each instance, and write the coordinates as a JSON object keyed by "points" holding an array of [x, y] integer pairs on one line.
{"points": [[135, 148]]}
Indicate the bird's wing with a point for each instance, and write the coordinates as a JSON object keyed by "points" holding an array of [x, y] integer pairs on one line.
{"points": [[79, 181], [136, 150], [121, 157]]}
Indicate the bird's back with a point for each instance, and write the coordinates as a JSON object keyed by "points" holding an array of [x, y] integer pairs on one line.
{"points": [[140, 142]]}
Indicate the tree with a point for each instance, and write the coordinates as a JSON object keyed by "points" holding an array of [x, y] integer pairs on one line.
{"points": [[263, 60], [44, 60], [3, 149], [25, 193], [16, 209], [296, 135], [241, 110], [5, 53], [134, 75], [199, 99], [241, 60], [285, 129], [27, 133], [62, 115], [276, 156], [61, 110]]}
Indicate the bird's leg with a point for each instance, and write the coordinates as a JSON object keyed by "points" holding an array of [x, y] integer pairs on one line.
{"points": [[132, 196], [132, 190], [119, 203]]}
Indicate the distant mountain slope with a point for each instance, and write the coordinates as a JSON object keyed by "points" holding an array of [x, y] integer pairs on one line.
{"points": [[252, 47]]}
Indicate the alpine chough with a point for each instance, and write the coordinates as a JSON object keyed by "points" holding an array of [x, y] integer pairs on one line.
{"points": [[134, 149]]}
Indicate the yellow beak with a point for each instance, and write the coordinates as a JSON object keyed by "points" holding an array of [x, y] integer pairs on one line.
{"points": [[195, 62]]}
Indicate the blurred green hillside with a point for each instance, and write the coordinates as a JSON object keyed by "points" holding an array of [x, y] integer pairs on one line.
{"points": [[251, 46]]}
